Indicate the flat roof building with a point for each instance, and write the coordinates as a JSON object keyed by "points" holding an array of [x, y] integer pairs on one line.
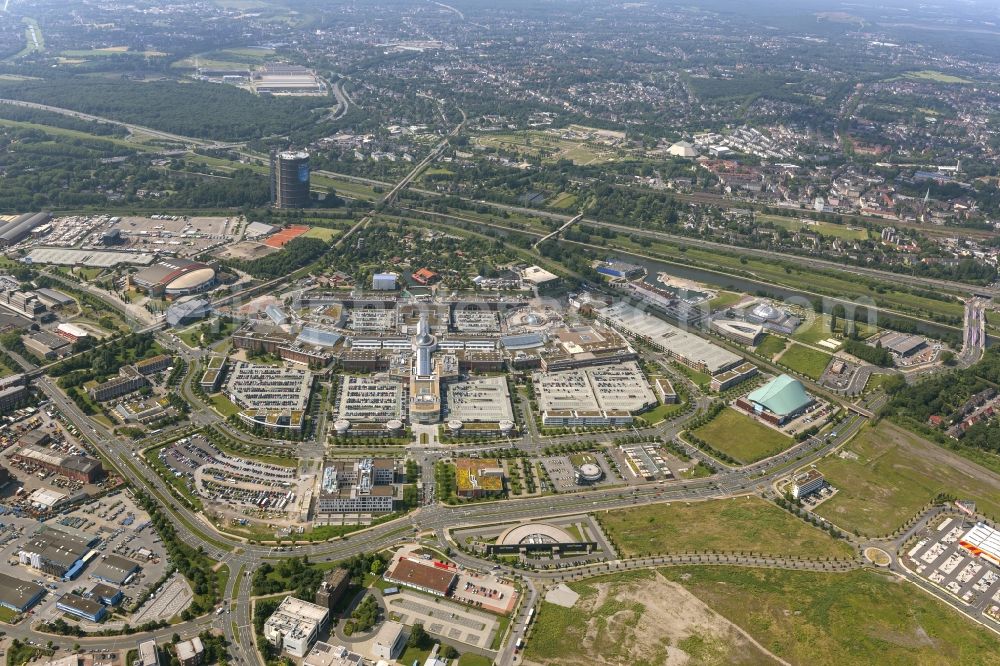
{"points": [[324, 654], [983, 541], [592, 395], [685, 347], [483, 399], [478, 477], [364, 486], [807, 483], [114, 569], [76, 605], [190, 652], [55, 552], [148, 654], [295, 625], [424, 577], [19, 595]]}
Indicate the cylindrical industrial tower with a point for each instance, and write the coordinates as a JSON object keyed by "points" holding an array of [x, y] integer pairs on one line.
{"points": [[290, 179]]}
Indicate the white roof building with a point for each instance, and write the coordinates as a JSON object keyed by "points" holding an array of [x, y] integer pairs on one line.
{"points": [[983, 541], [295, 625]]}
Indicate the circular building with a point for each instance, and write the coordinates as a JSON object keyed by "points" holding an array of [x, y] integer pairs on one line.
{"points": [[341, 426], [175, 277], [589, 473], [534, 534], [455, 425], [506, 427], [766, 312], [394, 425]]}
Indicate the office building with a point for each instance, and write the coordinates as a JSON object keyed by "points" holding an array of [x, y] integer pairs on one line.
{"points": [[128, 381], [290, 179], [148, 654], [324, 654], [295, 625], [190, 652], [331, 590], [365, 486], [384, 281], [807, 483], [13, 393], [389, 642]]}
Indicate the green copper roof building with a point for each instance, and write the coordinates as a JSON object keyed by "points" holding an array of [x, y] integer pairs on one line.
{"points": [[783, 396]]}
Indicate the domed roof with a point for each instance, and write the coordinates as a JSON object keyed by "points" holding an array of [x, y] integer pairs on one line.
{"points": [[193, 279], [766, 311]]}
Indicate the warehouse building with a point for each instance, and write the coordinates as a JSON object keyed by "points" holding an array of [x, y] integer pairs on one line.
{"points": [[114, 569], [78, 468], [19, 595], [17, 229], [424, 577], [76, 605], [46, 345], [175, 277], [295, 625], [56, 552], [685, 347], [983, 541], [903, 345]]}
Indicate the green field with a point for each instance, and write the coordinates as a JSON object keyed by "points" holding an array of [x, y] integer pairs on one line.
{"points": [[724, 299], [934, 75], [827, 619], [740, 436], [661, 412], [745, 523], [771, 346], [700, 379], [322, 233], [563, 200], [895, 474], [549, 147], [224, 405], [824, 228], [805, 361], [470, 659]]}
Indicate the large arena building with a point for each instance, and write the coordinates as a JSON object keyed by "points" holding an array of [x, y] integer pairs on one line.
{"points": [[175, 277]]}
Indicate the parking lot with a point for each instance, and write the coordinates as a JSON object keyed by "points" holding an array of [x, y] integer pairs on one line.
{"points": [[444, 618], [562, 473], [938, 557], [237, 482]]}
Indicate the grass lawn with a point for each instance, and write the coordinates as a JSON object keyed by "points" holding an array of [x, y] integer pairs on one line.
{"points": [[771, 345], [322, 233], [563, 200], [745, 523], [850, 618], [741, 437], [411, 654], [724, 299], [844, 231], [579, 459], [661, 412], [934, 75], [806, 361], [876, 382], [7, 615], [896, 473], [470, 659], [224, 405], [700, 379]]}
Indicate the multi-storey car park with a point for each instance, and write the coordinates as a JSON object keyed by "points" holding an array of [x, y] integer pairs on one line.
{"points": [[597, 395], [272, 397]]}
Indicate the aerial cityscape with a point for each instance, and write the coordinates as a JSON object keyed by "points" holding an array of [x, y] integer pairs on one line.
{"points": [[582, 332]]}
